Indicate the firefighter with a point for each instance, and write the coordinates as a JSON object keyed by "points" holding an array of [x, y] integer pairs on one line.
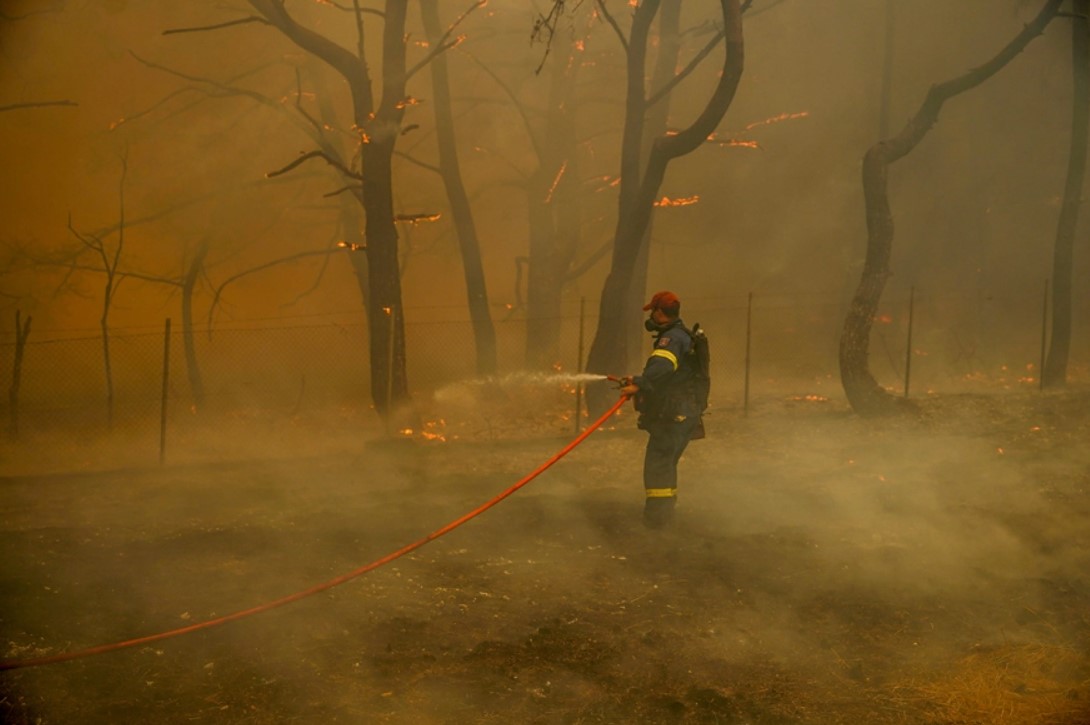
{"points": [[666, 402]]}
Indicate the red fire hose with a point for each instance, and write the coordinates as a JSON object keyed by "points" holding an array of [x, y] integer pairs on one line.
{"points": [[101, 649]]}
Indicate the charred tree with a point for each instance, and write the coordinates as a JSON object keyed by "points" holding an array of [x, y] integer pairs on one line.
{"points": [[1054, 373], [110, 261], [484, 332], [189, 284], [640, 183], [378, 125], [22, 332], [658, 115], [864, 393]]}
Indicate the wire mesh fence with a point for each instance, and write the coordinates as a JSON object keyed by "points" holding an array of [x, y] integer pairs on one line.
{"points": [[282, 389]]}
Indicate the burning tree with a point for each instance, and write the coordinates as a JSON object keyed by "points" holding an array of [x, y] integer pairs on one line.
{"points": [[864, 393], [377, 123], [641, 179]]}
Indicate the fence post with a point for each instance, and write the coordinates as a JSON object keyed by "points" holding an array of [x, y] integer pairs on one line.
{"points": [[579, 369], [908, 344], [391, 338], [749, 321], [1044, 339], [163, 399], [22, 331]]}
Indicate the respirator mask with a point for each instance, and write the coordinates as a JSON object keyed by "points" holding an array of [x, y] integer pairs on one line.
{"points": [[651, 326]]}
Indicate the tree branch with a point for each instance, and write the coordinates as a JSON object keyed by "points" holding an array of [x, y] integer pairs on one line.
{"points": [[336, 163], [218, 26], [443, 44], [36, 104]]}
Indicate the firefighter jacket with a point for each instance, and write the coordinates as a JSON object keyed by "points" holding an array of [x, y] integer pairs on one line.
{"points": [[665, 385]]}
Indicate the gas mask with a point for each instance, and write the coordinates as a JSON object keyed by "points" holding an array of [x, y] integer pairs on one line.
{"points": [[651, 326]]}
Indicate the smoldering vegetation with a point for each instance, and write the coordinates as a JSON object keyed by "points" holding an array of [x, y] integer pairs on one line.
{"points": [[928, 568], [824, 568]]}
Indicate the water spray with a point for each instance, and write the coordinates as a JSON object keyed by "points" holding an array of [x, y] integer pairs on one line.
{"points": [[524, 377]]}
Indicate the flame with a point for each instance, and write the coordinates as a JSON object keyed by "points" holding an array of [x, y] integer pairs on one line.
{"points": [[556, 181], [407, 101], [415, 219], [811, 399], [777, 119], [714, 138], [117, 123], [350, 246], [884, 319], [434, 430], [681, 201]]}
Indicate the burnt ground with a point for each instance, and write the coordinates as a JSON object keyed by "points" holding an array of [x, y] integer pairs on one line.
{"points": [[823, 569]]}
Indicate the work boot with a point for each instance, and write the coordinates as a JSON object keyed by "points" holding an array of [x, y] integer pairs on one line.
{"points": [[659, 512]]}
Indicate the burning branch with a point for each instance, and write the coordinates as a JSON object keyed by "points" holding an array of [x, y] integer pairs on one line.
{"points": [[445, 43], [415, 219], [681, 201]]}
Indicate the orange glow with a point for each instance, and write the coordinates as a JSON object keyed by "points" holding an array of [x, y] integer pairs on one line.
{"points": [[884, 319], [350, 246], [777, 119], [407, 101], [434, 430], [812, 399], [681, 201], [714, 138], [556, 181], [415, 219]]}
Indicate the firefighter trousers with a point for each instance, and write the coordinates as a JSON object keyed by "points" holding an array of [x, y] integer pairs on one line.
{"points": [[666, 442]]}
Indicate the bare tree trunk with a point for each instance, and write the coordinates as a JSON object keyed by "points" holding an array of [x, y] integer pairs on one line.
{"points": [[608, 353], [658, 114], [864, 393], [189, 283], [886, 99], [22, 332], [378, 128], [1055, 370], [484, 333]]}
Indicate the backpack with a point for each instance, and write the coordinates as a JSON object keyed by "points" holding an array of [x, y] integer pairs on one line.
{"points": [[700, 360]]}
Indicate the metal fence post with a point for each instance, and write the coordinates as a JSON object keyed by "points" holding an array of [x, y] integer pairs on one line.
{"points": [[163, 399], [1044, 339], [579, 368], [749, 321], [908, 344]]}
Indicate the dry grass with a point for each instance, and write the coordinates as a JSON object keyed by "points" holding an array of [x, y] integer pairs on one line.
{"points": [[1024, 684]]}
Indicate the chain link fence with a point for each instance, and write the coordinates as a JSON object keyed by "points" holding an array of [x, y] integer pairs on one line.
{"points": [[290, 390]]}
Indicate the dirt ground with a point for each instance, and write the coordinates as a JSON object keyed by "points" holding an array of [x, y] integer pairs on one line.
{"points": [[933, 568]]}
